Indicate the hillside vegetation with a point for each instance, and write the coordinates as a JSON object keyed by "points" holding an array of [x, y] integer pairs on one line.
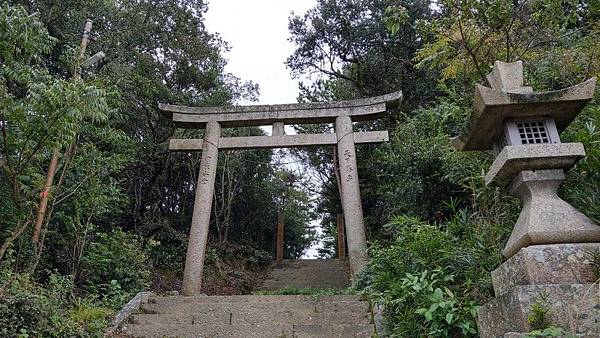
{"points": [[118, 212]]}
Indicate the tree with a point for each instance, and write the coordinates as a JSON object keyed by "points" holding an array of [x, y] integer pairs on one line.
{"points": [[348, 46], [40, 113]]}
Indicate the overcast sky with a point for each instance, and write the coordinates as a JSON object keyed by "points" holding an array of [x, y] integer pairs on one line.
{"points": [[257, 32]]}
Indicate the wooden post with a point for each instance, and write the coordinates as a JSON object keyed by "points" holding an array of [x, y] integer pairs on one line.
{"points": [[341, 237], [196, 251], [280, 232], [353, 214]]}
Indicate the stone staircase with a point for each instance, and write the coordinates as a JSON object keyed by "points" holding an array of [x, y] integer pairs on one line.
{"points": [[262, 315], [308, 273], [252, 316]]}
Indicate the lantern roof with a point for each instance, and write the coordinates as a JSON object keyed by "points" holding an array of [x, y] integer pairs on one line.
{"points": [[508, 98]]}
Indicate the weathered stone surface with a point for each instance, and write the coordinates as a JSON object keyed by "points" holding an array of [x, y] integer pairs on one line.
{"points": [[575, 307], [251, 313], [545, 217], [514, 159], [262, 330], [196, 250], [128, 309], [546, 264], [172, 302], [278, 129], [297, 113], [279, 141], [379, 320], [492, 107], [308, 273], [508, 77], [351, 203], [252, 316], [524, 335]]}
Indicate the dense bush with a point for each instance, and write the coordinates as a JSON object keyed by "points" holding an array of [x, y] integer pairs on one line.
{"points": [[431, 278], [115, 262], [582, 187], [166, 246], [418, 168], [28, 309]]}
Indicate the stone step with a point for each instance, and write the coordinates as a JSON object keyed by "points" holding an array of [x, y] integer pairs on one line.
{"points": [[309, 273], [235, 315], [316, 274], [269, 307], [278, 285], [312, 262], [318, 269], [568, 305], [248, 331], [525, 335], [255, 299]]}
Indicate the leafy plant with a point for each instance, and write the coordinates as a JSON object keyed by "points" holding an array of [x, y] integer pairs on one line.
{"points": [[538, 316], [115, 266], [28, 309]]}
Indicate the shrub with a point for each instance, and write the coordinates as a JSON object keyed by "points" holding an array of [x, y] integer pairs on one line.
{"points": [[431, 278], [115, 265], [28, 309], [166, 246]]}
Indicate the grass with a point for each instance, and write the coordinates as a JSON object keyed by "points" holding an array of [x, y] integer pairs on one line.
{"points": [[308, 292]]}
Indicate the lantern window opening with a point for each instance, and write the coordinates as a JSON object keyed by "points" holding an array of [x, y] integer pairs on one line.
{"points": [[501, 143], [533, 132]]}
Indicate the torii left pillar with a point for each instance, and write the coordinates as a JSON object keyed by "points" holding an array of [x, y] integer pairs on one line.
{"points": [[194, 261]]}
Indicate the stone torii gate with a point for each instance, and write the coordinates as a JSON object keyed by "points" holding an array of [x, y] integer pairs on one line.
{"points": [[212, 119]]}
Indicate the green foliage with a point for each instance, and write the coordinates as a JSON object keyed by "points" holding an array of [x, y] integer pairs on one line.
{"points": [[28, 309], [395, 17], [539, 314], [443, 313], [115, 266], [418, 169], [442, 271], [469, 35], [582, 188], [92, 317], [347, 44], [42, 113], [166, 246], [443, 217], [23, 37]]}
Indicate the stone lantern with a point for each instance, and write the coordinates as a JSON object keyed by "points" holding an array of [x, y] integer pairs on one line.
{"points": [[522, 128], [549, 250]]}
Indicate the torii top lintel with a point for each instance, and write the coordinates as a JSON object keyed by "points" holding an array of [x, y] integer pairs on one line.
{"points": [[295, 113]]}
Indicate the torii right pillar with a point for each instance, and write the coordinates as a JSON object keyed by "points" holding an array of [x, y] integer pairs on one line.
{"points": [[353, 213], [549, 254]]}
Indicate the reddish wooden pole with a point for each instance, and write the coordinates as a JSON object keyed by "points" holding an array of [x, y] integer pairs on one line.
{"points": [[280, 224], [341, 237]]}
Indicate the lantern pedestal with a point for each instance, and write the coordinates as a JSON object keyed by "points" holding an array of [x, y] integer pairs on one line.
{"points": [[557, 277], [545, 217]]}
